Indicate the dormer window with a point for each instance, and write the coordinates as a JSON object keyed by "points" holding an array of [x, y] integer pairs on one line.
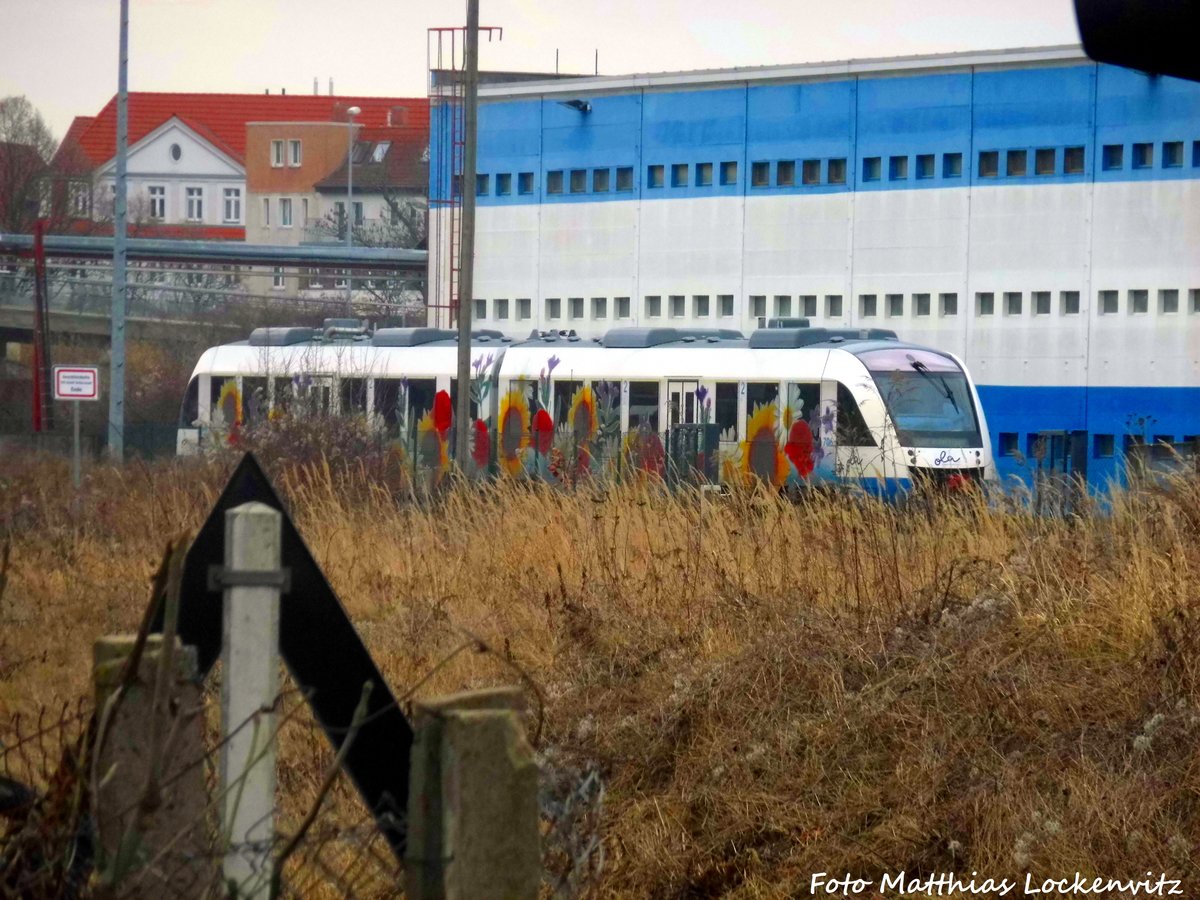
{"points": [[380, 151]]}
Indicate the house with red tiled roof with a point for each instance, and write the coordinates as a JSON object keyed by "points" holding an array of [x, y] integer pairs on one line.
{"points": [[187, 159]]}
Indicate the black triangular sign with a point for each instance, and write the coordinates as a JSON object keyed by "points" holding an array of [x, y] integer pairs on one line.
{"points": [[322, 650]]}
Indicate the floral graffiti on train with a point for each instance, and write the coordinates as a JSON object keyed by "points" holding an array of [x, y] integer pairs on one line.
{"points": [[789, 448]]}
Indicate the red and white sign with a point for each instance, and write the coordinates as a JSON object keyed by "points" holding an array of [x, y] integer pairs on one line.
{"points": [[76, 383]]}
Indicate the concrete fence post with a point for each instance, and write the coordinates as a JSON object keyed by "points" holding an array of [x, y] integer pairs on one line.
{"points": [[151, 820], [252, 582], [473, 801]]}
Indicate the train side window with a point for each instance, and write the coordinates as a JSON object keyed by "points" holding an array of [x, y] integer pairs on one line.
{"points": [[254, 400], [759, 394], [803, 399], [189, 412], [564, 393], [353, 395], [643, 405], [852, 428], [421, 392], [387, 396], [281, 402], [473, 410], [725, 409]]}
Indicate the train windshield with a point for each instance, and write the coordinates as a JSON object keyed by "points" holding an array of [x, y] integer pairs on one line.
{"points": [[927, 396]]}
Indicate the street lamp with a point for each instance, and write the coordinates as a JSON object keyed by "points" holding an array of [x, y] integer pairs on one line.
{"points": [[350, 114]]}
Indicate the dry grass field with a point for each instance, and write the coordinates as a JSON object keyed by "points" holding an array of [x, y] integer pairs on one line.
{"points": [[768, 689]]}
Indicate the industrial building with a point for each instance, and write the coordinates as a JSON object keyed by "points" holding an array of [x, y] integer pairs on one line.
{"points": [[1034, 212]]}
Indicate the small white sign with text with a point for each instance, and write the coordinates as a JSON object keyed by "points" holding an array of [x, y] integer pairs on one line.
{"points": [[76, 383]]}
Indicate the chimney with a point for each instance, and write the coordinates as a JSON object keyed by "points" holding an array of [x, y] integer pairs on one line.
{"points": [[283, 92], [266, 90], [330, 85], [316, 88]]}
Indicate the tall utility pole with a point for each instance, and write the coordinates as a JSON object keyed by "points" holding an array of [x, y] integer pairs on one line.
{"points": [[466, 265], [116, 386]]}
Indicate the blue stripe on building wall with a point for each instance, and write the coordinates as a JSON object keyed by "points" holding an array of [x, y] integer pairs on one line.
{"points": [[893, 133], [1121, 413]]}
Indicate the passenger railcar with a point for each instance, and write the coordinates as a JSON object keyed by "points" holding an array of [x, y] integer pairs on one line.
{"points": [[789, 406]]}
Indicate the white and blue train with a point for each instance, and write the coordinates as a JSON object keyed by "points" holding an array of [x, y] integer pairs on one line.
{"points": [[789, 405], [1032, 212]]}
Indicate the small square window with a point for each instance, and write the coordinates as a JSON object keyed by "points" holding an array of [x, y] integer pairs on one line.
{"points": [[760, 174], [1069, 301], [481, 185], [624, 178], [575, 308], [524, 309], [1139, 301], [948, 304], [1016, 163], [989, 163], [925, 163], [653, 307], [1012, 303], [1113, 156], [1168, 301], [866, 305], [1073, 161], [836, 171], [758, 305], [952, 165], [600, 178], [599, 307], [808, 306], [921, 304], [679, 175], [1109, 303], [1142, 156], [703, 174], [553, 308], [578, 181], [1041, 303], [525, 183], [1009, 443], [1044, 161], [833, 306], [1195, 154], [725, 306], [655, 176], [785, 173], [898, 168], [895, 305], [1103, 446], [501, 309], [1172, 154], [1194, 300], [729, 172], [503, 184], [985, 303], [480, 309], [811, 173], [678, 306], [783, 306], [700, 305], [622, 304], [554, 182], [872, 166]]}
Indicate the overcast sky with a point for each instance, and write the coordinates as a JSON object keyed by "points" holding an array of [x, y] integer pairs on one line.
{"points": [[62, 54]]}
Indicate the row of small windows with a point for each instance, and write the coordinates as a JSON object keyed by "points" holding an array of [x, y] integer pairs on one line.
{"points": [[677, 306], [790, 172], [1103, 445]]}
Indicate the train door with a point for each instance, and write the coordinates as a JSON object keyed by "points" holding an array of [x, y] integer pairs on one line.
{"points": [[681, 402]]}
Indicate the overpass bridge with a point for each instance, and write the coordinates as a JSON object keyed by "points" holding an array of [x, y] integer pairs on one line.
{"points": [[201, 291]]}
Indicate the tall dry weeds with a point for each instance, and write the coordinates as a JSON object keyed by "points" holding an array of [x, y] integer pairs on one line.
{"points": [[769, 689]]}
